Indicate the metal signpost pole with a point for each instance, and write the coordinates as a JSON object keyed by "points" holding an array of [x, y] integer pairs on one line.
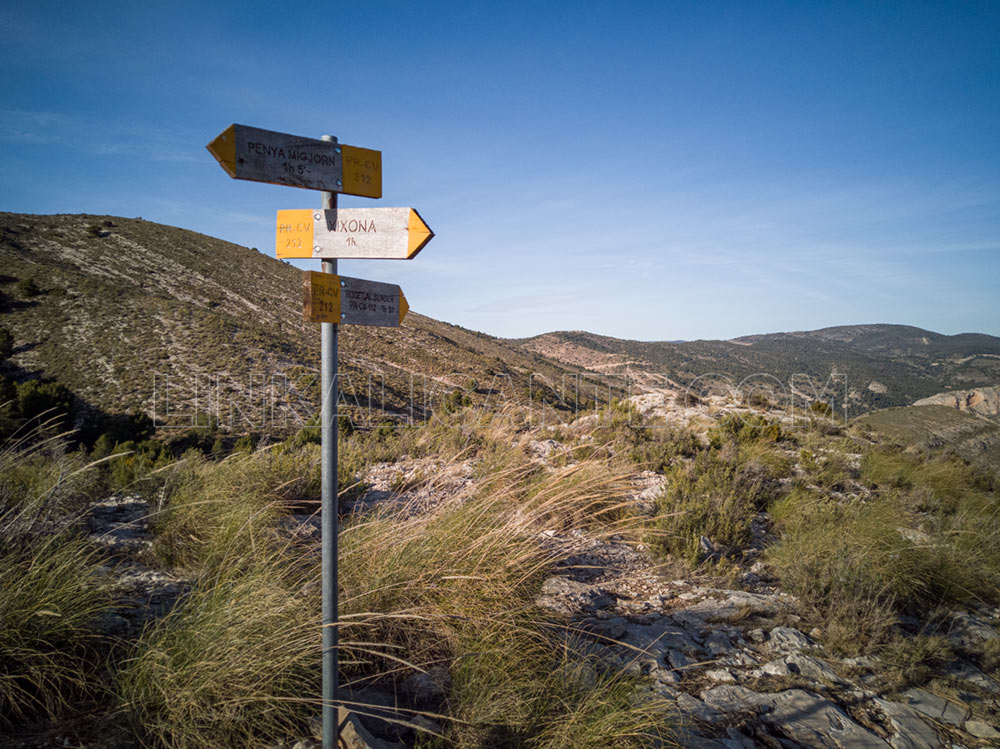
{"points": [[328, 358]]}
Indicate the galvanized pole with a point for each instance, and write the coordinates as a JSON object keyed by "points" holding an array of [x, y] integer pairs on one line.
{"points": [[328, 355]]}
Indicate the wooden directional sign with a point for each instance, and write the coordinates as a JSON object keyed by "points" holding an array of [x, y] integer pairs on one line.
{"points": [[266, 156], [351, 301], [373, 233]]}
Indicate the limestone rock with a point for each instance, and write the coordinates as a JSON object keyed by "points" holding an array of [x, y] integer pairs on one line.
{"points": [[981, 730], [697, 709], [937, 708], [803, 665], [654, 639], [788, 640], [968, 632], [814, 721], [605, 629], [732, 699], [909, 729]]}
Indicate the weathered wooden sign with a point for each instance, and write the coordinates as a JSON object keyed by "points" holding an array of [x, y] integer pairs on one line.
{"points": [[331, 298], [266, 156], [372, 233]]}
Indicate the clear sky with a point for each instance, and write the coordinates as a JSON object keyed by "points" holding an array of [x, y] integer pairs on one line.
{"points": [[650, 170]]}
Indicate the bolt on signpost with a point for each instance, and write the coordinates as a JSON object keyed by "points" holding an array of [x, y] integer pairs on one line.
{"points": [[332, 300]]}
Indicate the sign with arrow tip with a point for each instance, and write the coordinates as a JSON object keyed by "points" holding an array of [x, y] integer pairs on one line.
{"points": [[331, 298], [266, 156], [371, 233]]}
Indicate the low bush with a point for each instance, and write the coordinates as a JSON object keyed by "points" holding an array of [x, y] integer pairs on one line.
{"points": [[716, 495]]}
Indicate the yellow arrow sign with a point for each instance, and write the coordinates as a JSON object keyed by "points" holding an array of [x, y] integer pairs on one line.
{"points": [[374, 233], [266, 156]]}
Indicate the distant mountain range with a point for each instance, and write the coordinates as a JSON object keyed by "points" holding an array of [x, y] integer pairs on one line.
{"points": [[881, 365], [133, 315]]}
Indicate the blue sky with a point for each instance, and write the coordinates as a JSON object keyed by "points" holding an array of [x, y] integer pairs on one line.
{"points": [[655, 170]]}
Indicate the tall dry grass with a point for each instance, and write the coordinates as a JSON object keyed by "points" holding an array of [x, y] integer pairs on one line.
{"points": [[50, 590], [453, 585]]}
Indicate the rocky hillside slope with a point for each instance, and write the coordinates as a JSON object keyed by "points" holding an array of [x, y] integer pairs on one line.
{"points": [[979, 402], [133, 315]]}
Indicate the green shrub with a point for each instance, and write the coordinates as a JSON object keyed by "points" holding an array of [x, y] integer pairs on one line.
{"points": [[715, 495], [27, 287], [35, 398], [860, 565], [743, 429], [236, 664], [6, 344], [821, 408]]}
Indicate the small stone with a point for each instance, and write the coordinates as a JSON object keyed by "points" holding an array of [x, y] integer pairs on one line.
{"points": [[602, 601], [718, 644], [981, 730], [677, 659], [720, 674], [429, 686], [788, 640]]}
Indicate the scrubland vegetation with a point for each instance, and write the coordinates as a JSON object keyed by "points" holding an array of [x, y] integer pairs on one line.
{"points": [[877, 543]]}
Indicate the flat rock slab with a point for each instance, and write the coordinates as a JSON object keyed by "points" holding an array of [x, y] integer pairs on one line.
{"points": [[734, 605], [812, 720], [981, 730], [937, 708], [803, 665], [733, 699], [654, 639], [909, 729], [969, 632], [804, 717]]}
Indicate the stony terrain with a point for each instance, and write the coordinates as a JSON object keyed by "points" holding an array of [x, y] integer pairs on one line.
{"points": [[727, 653]]}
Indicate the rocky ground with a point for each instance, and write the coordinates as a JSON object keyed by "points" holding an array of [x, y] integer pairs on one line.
{"points": [[740, 674], [727, 654]]}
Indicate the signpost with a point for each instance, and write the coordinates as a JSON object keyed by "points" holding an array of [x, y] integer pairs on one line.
{"points": [[266, 156], [372, 233]]}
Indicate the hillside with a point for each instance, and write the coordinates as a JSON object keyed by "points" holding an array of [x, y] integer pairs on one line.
{"points": [[133, 315], [940, 427], [884, 365]]}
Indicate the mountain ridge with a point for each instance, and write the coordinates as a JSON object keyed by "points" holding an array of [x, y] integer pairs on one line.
{"points": [[131, 314]]}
